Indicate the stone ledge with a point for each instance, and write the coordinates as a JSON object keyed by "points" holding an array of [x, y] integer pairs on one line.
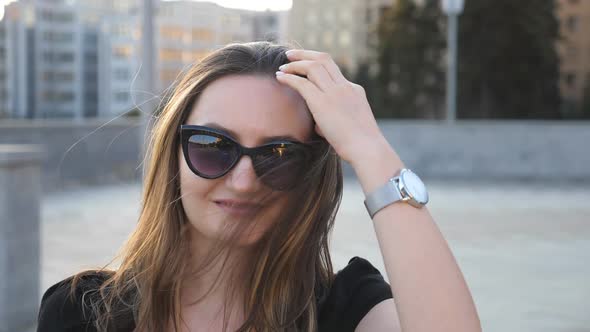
{"points": [[18, 154]]}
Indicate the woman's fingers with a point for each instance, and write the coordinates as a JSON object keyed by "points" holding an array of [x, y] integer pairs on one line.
{"points": [[324, 58], [313, 70], [305, 87]]}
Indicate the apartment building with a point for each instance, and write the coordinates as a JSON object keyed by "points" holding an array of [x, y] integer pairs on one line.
{"points": [[574, 48], [119, 60], [187, 31], [50, 61], [6, 95], [81, 58], [40, 59], [270, 25], [344, 28]]}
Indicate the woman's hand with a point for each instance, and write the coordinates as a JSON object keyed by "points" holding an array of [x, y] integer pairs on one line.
{"points": [[339, 107]]}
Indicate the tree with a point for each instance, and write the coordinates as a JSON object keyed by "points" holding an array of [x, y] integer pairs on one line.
{"points": [[508, 63], [584, 112], [410, 80]]}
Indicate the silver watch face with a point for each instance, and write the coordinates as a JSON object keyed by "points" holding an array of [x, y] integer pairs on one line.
{"points": [[414, 186]]}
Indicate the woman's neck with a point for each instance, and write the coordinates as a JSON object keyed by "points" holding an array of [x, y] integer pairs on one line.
{"points": [[213, 275], [215, 290]]}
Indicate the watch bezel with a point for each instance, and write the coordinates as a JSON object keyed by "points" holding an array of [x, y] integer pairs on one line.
{"points": [[406, 194]]}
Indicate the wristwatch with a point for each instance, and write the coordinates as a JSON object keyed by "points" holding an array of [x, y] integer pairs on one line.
{"points": [[406, 187]]}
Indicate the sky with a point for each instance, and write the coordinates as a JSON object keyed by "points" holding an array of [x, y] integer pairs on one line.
{"points": [[245, 4]]}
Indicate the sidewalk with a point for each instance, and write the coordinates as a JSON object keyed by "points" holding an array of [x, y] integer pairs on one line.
{"points": [[524, 251]]}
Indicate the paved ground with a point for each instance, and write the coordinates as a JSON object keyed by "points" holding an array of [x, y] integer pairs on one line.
{"points": [[524, 250]]}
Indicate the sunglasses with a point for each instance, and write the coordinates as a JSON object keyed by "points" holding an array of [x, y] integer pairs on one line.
{"points": [[211, 153]]}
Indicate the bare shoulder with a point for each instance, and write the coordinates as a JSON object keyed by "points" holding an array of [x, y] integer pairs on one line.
{"points": [[382, 317]]}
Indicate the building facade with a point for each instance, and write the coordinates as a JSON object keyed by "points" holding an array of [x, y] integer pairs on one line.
{"points": [[187, 31], [82, 58], [344, 28], [574, 49], [50, 62]]}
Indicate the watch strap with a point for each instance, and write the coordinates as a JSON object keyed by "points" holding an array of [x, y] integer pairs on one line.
{"points": [[383, 196]]}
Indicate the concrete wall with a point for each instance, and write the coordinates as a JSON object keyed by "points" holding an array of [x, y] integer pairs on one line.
{"points": [[85, 153], [493, 150], [20, 192], [469, 150]]}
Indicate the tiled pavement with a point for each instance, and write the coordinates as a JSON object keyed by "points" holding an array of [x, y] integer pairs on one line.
{"points": [[524, 249]]}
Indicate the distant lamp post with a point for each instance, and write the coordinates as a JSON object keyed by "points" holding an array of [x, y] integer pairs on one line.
{"points": [[452, 9]]}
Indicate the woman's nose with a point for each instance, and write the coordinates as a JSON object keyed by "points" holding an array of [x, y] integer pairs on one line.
{"points": [[243, 177]]}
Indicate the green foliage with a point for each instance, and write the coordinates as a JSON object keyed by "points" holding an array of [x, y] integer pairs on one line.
{"points": [[507, 67], [410, 82], [584, 109], [508, 63], [133, 113]]}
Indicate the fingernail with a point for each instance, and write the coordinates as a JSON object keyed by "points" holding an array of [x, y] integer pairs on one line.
{"points": [[282, 67], [279, 73], [289, 52]]}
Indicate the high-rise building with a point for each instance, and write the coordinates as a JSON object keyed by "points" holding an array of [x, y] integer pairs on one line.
{"points": [[344, 28], [187, 31], [119, 59], [270, 25], [574, 48], [51, 57], [81, 58]]}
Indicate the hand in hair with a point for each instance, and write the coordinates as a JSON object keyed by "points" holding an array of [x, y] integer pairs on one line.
{"points": [[339, 107]]}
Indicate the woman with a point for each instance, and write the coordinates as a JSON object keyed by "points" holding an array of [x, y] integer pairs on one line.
{"points": [[240, 194]]}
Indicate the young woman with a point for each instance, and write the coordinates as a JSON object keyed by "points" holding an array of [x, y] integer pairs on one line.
{"points": [[240, 194]]}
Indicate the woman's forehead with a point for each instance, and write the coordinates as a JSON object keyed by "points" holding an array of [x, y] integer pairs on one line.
{"points": [[253, 107]]}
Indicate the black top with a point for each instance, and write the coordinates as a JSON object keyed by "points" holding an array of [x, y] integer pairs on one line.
{"points": [[355, 290]]}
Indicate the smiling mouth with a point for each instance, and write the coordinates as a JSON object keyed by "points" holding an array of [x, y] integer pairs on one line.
{"points": [[238, 209]]}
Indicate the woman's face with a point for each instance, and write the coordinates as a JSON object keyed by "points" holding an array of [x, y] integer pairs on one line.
{"points": [[252, 108]]}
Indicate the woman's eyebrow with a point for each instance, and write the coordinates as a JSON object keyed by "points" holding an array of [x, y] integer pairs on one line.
{"points": [[265, 139]]}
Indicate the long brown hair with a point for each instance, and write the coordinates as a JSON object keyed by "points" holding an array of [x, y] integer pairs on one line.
{"points": [[292, 262]]}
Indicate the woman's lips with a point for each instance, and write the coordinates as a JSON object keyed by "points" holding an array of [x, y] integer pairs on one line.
{"points": [[238, 208]]}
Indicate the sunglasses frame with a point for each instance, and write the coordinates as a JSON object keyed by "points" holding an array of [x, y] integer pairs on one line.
{"points": [[186, 131]]}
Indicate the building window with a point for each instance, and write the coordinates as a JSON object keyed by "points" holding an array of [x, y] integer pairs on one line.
{"points": [[202, 34], [328, 38], [329, 16], [169, 54], [65, 57], [270, 21], [58, 57], [54, 76], [572, 23], [168, 75], [91, 58], [122, 30], [121, 74], [54, 16], [344, 38], [56, 96], [64, 97], [312, 40], [571, 51], [570, 79], [121, 96], [90, 38], [311, 18], [171, 32], [91, 97], [122, 52], [345, 15]]}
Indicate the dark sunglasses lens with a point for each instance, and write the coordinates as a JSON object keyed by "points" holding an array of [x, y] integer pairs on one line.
{"points": [[280, 167], [211, 155]]}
